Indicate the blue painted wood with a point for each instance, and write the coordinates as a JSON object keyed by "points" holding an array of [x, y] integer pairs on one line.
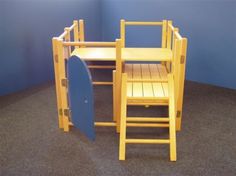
{"points": [[80, 93]]}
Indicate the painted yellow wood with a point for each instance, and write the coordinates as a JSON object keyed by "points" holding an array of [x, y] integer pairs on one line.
{"points": [[157, 87], [122, 32], [169, 34], [143, 23], [128, 54], [63, 90], [57, 81], [147, 141], [147, 119], [114, 95], [147, 87], [181, 84], [129, 71], [164, 34], [123, 109], [137, 86], [81, 30], [168, 43], [102, 83], [147, 125], [101, 66], [67, 38], [119, 64], [172, 112], [108, 124], [76, 30], [163, 75]]}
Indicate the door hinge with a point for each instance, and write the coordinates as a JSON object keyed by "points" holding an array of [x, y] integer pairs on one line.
{"points": [[182, 59], [67, 112], [64, 82], [178, 114], [60, 112], [56, 58]]}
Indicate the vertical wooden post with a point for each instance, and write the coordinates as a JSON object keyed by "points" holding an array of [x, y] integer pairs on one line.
{"points": [[67, 39], [63, 89], [76, 31], [181, 83], [164, 33], [118, 82], [172, 131], [123, 109], [169, 35], [57, 81], [122, 32], [114, 96], [81, 30], [168, 43]]}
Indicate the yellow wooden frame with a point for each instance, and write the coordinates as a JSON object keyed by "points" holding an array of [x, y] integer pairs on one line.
{"points": [[62, 48]]}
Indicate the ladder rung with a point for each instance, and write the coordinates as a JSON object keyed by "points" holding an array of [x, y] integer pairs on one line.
{"points": [[102, 83], [104, 123], [147, 125], [147, 141], [147, 119], [101, 66]]}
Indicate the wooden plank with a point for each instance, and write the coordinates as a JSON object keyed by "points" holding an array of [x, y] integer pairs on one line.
{"points": [[128, 54], [163, 75], [157, 87], [147, 87], [129, 71], [137, 87]]}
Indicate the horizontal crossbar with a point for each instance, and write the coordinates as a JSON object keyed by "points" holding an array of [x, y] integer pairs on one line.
{"points": [[147, 119], [98, 44], [148, 80], [142, 23], [147, 141], [102, 83], [101, 66], [100, 124], [147, 125]]}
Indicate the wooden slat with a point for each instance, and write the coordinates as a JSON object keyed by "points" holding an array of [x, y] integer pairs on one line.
{"points": [[157, 87], [163, 75], [137, 87], [147, 87], [129, 71]]}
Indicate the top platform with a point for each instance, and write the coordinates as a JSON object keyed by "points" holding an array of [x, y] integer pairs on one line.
{"points": [[128, 54]]}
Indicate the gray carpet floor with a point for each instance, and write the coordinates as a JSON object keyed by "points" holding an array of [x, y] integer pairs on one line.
{"points": [[32, 144]]}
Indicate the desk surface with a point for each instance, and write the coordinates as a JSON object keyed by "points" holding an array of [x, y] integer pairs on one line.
{"points": [[128, 54]]}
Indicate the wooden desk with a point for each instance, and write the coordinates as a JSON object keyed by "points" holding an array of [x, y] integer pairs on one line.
{"points": [[128, 54]]}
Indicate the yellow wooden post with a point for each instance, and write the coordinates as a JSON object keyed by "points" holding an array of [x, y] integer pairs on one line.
{"points": [[122, 32], [164, 34], [67, 39], [168, 42], [172, 131], [63, 84], [81, 30], [181, 83], [169, 34], [76, 31], [118, 82], [57, 81], [123, 109], [114, 96]]}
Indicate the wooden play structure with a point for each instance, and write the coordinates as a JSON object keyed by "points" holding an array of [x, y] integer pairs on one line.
{"points": [[141, 77]]}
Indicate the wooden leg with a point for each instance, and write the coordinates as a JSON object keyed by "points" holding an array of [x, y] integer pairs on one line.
{"points": [[114, 95], [66, 124], [178, 121], [172, 117], [123, 119]]}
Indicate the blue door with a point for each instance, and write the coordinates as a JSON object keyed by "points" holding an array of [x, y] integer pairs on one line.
{"points": [[80, 91]]}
